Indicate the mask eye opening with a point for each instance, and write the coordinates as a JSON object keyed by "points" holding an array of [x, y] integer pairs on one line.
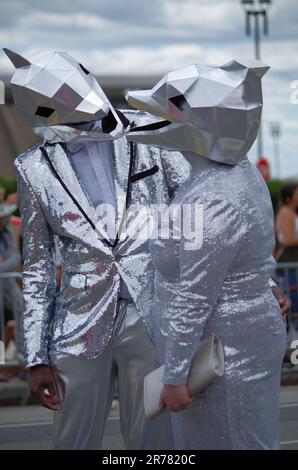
{"points": [[84, 70], [44, 111], [179, 101]]}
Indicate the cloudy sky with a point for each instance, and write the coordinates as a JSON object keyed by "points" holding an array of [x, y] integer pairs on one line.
{"points": [[117, 37]]}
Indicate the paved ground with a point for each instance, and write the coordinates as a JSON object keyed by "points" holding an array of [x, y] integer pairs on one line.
{"points": [[29, 427], [288, 418]]}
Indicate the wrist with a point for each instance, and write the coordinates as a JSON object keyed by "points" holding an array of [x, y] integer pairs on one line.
{"points": [[174, 382]]}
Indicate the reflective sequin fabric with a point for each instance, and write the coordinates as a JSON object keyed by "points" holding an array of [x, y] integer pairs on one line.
{"points": [[55, 94], [79, 318], [209, 110], [223, 288], [88, 388]]}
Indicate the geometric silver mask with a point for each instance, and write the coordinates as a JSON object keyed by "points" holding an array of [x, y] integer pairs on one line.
{"points": [[212, 111], [53, 93]]}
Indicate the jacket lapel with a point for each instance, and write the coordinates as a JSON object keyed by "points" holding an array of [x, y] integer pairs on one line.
{"points": [[123, 161], [62, 165]]}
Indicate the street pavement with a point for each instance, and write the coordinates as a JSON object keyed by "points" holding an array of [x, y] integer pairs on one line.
{"points": [[29, 427]]}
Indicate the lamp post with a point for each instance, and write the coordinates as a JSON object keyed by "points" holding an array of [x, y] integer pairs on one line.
{"points": [[276, 133], [257, 10]]}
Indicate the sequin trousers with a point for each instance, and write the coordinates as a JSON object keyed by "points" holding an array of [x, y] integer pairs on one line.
{"points": [[88, 386], [222, 288]]}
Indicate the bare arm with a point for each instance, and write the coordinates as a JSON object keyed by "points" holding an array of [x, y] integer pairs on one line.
{"points": [[287, 229]]}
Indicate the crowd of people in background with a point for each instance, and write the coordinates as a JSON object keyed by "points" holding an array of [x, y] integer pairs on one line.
{"points": [[287, 242], [10, 261], [11, 299]]}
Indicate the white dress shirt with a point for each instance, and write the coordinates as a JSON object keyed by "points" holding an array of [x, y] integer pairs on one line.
{"points": [[94, 166]]}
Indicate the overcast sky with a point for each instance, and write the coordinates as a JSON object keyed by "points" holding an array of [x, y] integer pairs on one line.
{"points": [[154, 36]]}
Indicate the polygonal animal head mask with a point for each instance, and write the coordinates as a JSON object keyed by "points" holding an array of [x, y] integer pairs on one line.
{"points": [[213, 111], [53, 93]]}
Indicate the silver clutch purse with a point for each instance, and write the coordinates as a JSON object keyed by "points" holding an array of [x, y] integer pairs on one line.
{"points": [[207, 365]]}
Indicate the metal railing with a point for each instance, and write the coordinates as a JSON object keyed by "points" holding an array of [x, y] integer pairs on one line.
{"points": [[287, 278]]}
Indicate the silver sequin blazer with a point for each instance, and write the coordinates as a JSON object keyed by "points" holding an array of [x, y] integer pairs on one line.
{"points": [[78, 319]]}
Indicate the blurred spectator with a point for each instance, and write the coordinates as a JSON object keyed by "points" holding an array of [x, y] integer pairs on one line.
{"points": [[287, 239], [2, 194], [11, 298], [15, 222], [287, 225], [12, 199]]}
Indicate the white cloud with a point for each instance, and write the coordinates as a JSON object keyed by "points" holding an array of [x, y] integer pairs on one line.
{"points": [[206, 18], [54, 21]]}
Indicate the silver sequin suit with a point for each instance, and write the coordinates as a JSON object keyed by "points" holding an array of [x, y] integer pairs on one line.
{"points": [[223, 288], [79, 319]]}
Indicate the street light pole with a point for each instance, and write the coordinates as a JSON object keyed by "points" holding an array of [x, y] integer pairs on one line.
{"points": [[258, 57], [257, 37], [276, 133], [257, 9]]}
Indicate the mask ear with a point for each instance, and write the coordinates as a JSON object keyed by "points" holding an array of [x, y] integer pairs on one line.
{"points": [[17, 60], [241, 66]]}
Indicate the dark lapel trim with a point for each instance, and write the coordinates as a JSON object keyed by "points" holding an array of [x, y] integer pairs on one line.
{"points": [[143, 174], [75, 201], [132, 154]]}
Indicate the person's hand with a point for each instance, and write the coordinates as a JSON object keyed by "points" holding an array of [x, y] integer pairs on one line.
{"points": [[1, 258], [284, 302], [43, 382], [175, 398]]}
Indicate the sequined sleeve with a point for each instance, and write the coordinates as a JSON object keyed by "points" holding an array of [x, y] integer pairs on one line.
{"points": [[176, 168], [202, 274], [38, 275]]}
